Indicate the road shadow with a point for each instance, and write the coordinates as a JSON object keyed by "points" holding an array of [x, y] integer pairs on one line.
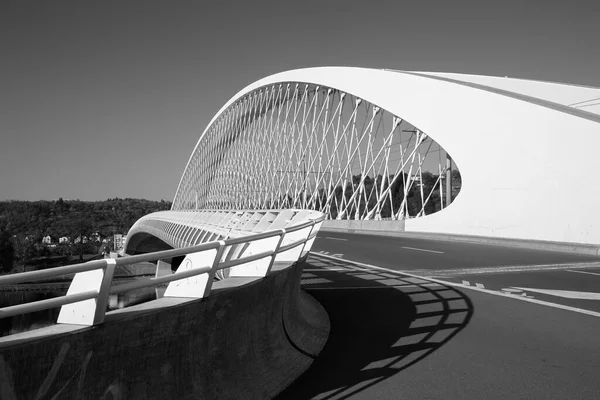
{"points": [[381, 324]]}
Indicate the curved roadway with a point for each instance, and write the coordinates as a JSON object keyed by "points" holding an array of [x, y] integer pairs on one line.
{"points": [[439, 320]]}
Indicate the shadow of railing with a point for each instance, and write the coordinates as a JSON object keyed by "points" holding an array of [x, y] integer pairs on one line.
{"points": [[381, 324]]}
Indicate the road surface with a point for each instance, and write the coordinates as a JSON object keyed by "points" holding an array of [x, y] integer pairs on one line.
{"points": [[554, 275], [399, 336]]}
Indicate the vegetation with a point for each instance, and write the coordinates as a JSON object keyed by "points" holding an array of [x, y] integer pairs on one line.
{"points": [[368, 199], [23, 224], [7, 252]]}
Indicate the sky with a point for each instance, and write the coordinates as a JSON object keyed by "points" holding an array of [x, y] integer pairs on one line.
{"points": [[104, 99]]}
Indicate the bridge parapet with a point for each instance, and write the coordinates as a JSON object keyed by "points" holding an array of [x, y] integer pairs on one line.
{"points": [[286, 236], [240, 337], [192, 227], [248, 340]]}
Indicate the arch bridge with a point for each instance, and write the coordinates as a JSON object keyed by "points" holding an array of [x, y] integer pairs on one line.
{"points": [[444, 153]]}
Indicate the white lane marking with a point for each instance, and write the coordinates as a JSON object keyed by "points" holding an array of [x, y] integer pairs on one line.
{"points": [[513, 268], [510, 290], [360, 287], [584, 272], [334, 238], [324, 269], [479, 285], [314, 281], [567, 294], [429, 251], [476, 289], [339, 255]]}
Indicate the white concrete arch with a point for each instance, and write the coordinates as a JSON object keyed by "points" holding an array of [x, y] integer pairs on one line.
{"points": [[527, 160]]}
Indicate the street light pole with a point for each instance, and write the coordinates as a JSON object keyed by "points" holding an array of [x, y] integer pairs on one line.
{"points": [[448, 179]]}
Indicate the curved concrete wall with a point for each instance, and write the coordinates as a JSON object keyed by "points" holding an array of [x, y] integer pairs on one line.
{"points": [[249, 342]]}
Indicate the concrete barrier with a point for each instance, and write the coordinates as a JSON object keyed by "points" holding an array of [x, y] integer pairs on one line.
{"points": [[249, 340], [397, 229], [363, 226]]}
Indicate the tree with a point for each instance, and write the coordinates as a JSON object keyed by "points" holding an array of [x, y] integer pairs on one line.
{"points": [[7, 252], [81, 231], [28, 222], [456, 182]]}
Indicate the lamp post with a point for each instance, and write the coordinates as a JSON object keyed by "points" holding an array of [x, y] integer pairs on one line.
{"points": [[448, 179]]}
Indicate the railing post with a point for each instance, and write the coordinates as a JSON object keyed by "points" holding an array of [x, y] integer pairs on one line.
{"points": [[260, 267], [213, 269], [163, 268], [87, 312], [198, 286], [274, 255], [299, 236], [308, 244], [102, 299]]}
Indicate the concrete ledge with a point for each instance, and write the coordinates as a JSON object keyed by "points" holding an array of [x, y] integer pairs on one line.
{"points": [[358, 226], [247, 340], [396, 229]]}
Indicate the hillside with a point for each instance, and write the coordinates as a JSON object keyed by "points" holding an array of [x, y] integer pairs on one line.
{"points": [[23, 224]]}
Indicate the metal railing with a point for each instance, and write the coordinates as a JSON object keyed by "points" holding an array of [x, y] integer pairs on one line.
{"points": [[87, 297]]}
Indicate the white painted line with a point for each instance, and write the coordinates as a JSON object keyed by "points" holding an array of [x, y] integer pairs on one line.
{"points": [[334, 238], [512, 268], [480, 285], [512, 290], [325, 269], [476, 289], [314, 281], [339, 255], [359, 287], [566, 294], [466, 283], [429, 251], [583, 272]]}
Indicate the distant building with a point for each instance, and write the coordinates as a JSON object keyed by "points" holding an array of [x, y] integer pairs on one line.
{"points": [[47, 240], [80, 239], [417, 180], [64, 240], [95, 237], [119, 241]]}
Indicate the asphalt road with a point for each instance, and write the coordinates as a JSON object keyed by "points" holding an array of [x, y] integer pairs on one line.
{"points": [[395, 336], [510, 270], [424, 254]]}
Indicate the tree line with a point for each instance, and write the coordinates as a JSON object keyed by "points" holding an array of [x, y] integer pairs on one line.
{"points": [[426, 189], [23, 224]]}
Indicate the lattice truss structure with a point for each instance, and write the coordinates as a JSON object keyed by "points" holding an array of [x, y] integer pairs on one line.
{"points": [[298, 145]]}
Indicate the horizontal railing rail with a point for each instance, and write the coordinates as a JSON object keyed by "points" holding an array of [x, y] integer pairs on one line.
{"points": [[240, 261], [163, 254], [46, 304], [31, 276], [149, 282], [250, 255]]}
